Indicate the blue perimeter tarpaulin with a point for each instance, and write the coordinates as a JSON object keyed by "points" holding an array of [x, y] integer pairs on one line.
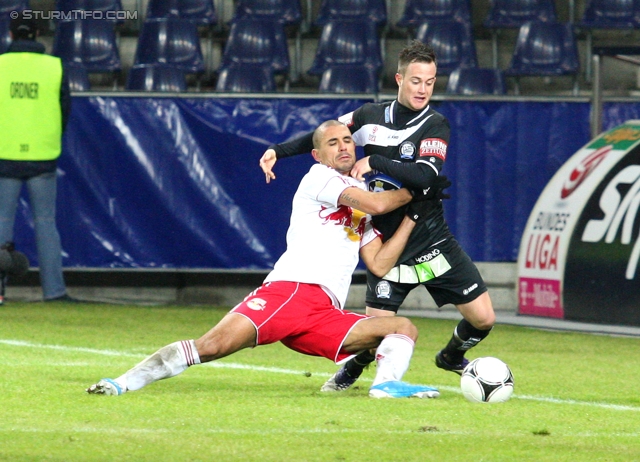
{"points": [[175, 182]]}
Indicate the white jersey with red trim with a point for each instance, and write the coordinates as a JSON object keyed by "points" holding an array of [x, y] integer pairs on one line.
{"points": [[324, 237]]}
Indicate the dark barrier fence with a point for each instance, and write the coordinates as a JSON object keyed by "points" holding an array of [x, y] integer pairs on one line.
{"points": [[174, 182]]}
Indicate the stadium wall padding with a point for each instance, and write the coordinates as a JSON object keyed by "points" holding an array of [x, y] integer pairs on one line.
{"points": [[174, 182]]}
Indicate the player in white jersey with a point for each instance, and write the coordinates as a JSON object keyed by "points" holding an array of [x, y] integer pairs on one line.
{"points": [[301, 301]]}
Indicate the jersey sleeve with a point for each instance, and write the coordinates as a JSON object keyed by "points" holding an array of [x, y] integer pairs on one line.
{"points": [[434, 143], [329, 184], [300, 145], [370, 233]]}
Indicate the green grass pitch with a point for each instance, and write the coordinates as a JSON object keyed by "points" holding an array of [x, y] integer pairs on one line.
{"points": [[576, 396]]}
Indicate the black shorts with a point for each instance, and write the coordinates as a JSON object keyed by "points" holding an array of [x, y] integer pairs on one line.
{"points": [[449, 275]]}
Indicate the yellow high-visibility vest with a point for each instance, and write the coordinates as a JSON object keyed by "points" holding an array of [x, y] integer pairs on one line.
{"points": [[30, 112]]}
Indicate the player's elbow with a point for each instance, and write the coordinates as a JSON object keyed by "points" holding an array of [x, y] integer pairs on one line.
{"points": [[377, 208], [379, 270]]}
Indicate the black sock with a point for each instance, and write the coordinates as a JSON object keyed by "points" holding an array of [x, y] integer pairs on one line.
{"points": [[356, 365], [464, 337]]}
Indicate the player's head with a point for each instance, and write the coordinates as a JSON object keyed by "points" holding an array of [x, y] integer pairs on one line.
{"points": [[416, 75], [24, 27], [333, 146]]}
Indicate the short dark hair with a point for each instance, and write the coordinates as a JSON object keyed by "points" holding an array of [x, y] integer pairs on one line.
{"points": [[416, 52], [319, 132], [24, 27]]}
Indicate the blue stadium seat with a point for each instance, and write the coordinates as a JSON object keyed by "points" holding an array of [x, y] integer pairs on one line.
{"points": [[349, 79], [77, 77], [90, 43], [91, 5], [245, 78], [7, 6], [514, 13], [611, 14], [453, 43], [417, 12], [367, 10], [607, 14], [170, 41], [476, 81], [348, 42], [545, 49], [5, 34], [511, 14], [199, 11], [156, 77], [257, 41], [289, 12]]}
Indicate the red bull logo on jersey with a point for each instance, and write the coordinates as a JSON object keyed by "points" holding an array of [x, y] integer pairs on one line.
{"points": [[433, 147], [353, 221]]}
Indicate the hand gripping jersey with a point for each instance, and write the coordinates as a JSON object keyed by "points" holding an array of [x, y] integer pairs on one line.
{"points": [[401, 135], [324, 238]]}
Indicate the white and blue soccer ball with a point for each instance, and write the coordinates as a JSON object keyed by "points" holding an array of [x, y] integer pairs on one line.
{"points": [[487, 380]]}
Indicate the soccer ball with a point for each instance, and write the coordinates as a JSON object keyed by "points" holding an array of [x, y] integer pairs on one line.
{"points": [[487, 380]]}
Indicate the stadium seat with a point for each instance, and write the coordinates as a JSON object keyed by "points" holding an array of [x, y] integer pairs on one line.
{"points": [[245, 78], [417, 12], [156, 77], [289, 12], [545, 49], [453, 43], [367, 10], [349, 79], [90, 5], [476, 81], [257, 41], [511, 14], [90, 43], [7, 6], [607, 14], [170, 41], [199, 11], [5, 34], [77, 77], [348, 42]]}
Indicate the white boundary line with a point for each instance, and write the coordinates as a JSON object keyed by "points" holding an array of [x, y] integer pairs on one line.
{"points": [[276, 370]]}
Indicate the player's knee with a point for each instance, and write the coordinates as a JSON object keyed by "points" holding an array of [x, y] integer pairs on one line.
{"points": [[406, 327]]}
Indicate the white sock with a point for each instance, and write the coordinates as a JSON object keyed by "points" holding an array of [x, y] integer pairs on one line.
{"points": [[393, 356], [168, 361]]}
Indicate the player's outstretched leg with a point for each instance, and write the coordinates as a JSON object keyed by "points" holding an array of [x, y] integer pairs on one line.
{"points": [[167, 362], [464, 337], [349, 372], [393, 357]]}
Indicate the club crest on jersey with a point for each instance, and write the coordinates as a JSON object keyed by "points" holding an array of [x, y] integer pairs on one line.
{"points": [[256, 304], [433, 147], [407, 150], [383, 289]]}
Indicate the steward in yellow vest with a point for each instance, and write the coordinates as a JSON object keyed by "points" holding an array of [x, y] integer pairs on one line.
{"points": [[34, 106]]}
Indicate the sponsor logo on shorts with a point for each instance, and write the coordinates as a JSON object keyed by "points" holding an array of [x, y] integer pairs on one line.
{"points": [[430, 256], [256, 304], [433, 147], [383, 289], [407, 150], [470, 289]]}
